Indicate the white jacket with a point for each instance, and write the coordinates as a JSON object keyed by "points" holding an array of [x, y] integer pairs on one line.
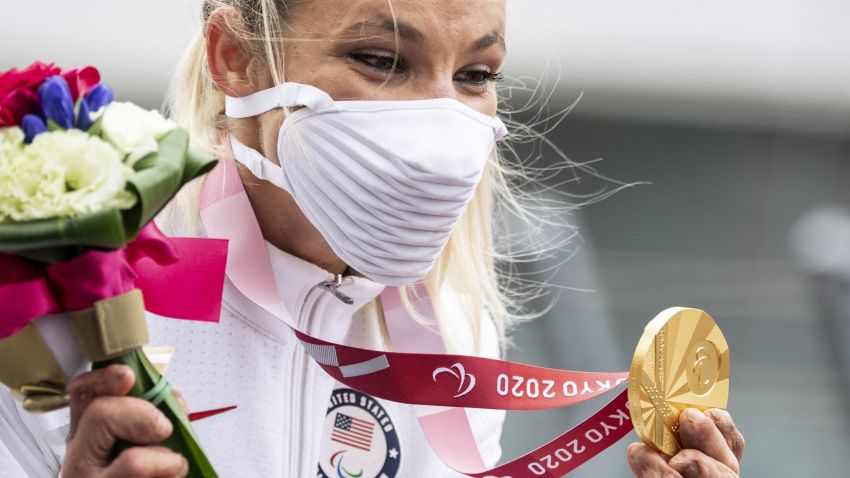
{"points": [[287, 407]]}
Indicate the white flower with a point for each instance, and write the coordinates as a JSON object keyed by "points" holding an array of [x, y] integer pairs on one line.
{"points": [[11, 138], [62, 174], [133, 130]]}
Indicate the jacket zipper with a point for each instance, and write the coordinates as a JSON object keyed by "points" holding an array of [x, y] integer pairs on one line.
{"points": [[332, 286]]}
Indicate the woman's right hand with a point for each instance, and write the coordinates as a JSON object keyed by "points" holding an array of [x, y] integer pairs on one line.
{"points": [[101, 414]]}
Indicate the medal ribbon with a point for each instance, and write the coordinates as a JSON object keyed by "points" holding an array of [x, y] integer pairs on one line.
{"points": [[439, 385]]}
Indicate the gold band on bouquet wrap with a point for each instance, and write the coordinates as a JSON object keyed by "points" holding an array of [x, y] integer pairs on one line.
{"points": [[29, 368], [112, 327]]}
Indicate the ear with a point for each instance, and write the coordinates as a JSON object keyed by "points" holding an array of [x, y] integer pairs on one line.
{"points": [[230, 63]]}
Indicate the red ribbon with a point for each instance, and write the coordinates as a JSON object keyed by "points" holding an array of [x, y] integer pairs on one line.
{"points": [[181, 278]]}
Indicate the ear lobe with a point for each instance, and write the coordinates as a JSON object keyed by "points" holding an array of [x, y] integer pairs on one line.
{"points": [[228, 60]]}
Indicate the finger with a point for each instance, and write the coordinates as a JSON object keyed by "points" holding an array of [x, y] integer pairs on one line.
{"points": [[692, 463], [648, 463], [723, 420], [699, 432], [114, 380], [109, 418], [147, 462], [181, 399]]}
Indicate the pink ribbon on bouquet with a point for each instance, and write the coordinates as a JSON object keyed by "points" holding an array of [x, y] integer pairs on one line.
{"points": [[179, 278], [438, 384]]}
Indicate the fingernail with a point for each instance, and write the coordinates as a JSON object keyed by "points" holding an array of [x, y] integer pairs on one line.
{"points": [[122, 373], [682, 465], [163, 425], [719, 413], [693, 415]]}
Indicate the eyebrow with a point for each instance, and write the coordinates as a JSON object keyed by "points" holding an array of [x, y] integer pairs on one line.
{"points": [[490, 39], [413, 35]]}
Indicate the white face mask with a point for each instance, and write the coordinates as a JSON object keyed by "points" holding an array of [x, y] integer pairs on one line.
{"points": [[385, 182]]}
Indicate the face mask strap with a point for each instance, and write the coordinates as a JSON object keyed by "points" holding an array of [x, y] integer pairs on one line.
{"points": [[286, 95], [259, 166]]}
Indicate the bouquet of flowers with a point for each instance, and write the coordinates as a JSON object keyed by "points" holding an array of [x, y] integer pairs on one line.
{"points": [[81, 178]]}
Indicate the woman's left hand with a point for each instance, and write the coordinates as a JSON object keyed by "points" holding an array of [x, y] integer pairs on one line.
{"points": [[712, 448]]}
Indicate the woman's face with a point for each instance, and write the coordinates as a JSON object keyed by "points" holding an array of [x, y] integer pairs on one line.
{"points": [[445, 49]]}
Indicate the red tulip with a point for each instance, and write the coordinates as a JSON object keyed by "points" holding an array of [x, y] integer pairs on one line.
{"points": [[81, 80]]}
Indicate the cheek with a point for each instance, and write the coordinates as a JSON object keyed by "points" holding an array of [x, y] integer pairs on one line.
{"points": [[269, 130], [487, 104], [491, 107]]}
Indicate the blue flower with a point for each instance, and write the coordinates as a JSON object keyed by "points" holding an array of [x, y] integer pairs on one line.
{"points": [[56, 102], [32, 126], [98, 97]]}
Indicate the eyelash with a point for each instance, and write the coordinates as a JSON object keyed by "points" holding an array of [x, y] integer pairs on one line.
{"points": [[384, 65]]}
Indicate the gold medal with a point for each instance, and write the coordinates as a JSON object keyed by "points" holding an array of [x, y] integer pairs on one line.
{"points": [[681, 361]]}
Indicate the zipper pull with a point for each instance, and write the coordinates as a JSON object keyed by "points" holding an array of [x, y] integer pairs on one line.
{"points": [[332, 286]]}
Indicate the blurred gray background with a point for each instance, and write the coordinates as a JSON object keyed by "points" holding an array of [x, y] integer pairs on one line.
{"points": [[737, 113]]}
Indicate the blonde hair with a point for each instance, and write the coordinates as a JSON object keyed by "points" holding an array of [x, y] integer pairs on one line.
{"points": [[474, 267]]}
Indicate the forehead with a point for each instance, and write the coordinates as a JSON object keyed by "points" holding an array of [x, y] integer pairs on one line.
{"points": [[433, 19]]}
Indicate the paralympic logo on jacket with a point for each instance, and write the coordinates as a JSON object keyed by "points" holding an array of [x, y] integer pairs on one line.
{"points": [[359, 439]]}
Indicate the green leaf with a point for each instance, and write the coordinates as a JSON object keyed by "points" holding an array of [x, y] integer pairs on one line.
{"points": [[77, 108], [97, 127], [52, 240], [157, 178], [197, 164], [52, 126]]}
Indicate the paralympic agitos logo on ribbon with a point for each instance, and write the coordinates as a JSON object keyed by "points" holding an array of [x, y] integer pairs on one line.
{"points": [[466, 382], [358, 439]]}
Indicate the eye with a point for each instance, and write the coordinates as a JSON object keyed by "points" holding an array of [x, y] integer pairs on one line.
{"points": [[479, 78], [382, 63]]}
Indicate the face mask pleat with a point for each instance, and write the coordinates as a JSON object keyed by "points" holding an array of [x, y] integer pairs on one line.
{"points": [[362, 185], [382, 219], [374, 267], [354, 185], [378, 167], [454, 167], [404, 233], [380, 242]]}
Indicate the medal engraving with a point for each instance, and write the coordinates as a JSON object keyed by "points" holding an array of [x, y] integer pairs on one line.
{"points": [[702, 374]]}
